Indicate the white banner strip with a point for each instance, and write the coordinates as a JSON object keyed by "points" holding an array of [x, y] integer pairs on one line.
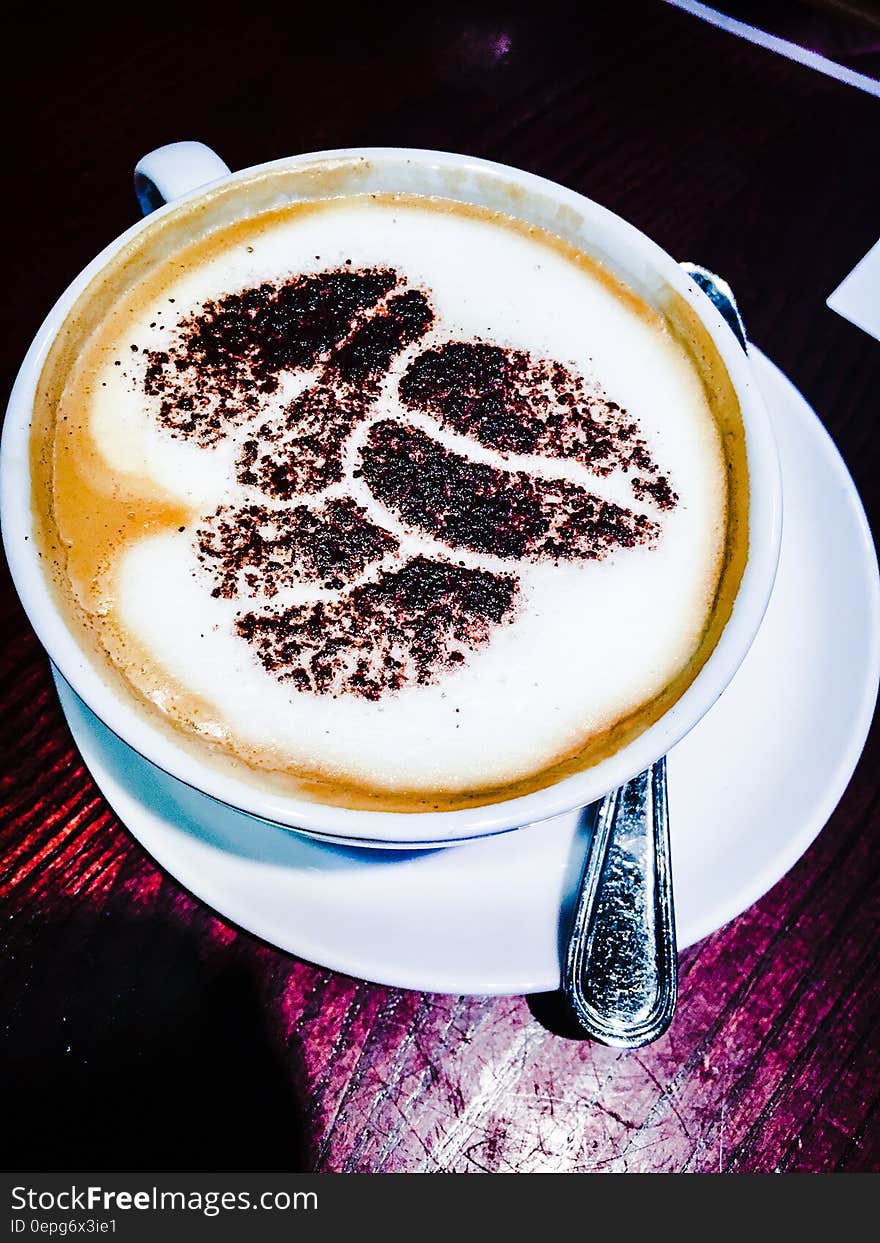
{"points": [[792, 51]]}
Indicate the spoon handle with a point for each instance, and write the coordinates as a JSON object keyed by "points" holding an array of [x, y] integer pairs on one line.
{"points": [[620, 972]]}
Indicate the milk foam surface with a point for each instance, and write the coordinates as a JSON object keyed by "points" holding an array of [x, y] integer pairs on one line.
{"points": [[587, 642]]}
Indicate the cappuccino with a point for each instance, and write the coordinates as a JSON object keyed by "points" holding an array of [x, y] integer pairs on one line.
{"points": [[391, 499]]}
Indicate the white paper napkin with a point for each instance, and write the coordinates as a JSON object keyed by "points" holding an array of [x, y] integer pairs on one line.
{"points": [[857, 297]]}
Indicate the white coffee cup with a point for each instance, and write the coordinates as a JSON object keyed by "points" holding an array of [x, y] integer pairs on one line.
{"points": [[179, 174]]}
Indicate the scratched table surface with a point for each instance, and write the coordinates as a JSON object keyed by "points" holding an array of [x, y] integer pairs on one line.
{"points": [[139, 1030]]}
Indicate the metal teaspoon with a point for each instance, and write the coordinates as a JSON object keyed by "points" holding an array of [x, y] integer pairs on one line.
{"points": [[620, 974]]}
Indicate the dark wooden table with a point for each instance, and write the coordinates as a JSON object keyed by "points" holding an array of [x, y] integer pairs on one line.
{"points": [[140, 1031]]}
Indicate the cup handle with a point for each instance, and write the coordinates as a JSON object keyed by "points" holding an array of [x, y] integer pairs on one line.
{"points": [[174, 170]]}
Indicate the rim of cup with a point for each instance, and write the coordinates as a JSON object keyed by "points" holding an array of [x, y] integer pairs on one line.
{"points": [[398, 828]]}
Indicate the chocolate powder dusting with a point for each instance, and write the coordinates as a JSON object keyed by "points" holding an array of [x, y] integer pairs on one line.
{"points": [[505, 513], [409, 625], [372, 347], [300, 450], [254, 550], [658, 490], [228, 355], [516, 403], [407, 628]]}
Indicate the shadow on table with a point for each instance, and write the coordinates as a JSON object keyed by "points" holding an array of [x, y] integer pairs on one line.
{"points": [[551, 1010], [122, 1049]]}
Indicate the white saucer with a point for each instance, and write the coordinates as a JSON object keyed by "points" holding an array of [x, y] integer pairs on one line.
{"points": [[749, 788]]}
